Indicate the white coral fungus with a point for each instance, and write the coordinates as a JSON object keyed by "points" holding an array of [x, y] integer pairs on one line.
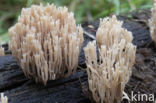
{"points": [[4, 99], [46, 42], [152, 23], [108, 77], [2, 51]]}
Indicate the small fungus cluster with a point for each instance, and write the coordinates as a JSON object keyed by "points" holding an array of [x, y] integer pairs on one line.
{"points": [[46, 42], [2, 51], [4, 99], [152, 23], [108, 76]]}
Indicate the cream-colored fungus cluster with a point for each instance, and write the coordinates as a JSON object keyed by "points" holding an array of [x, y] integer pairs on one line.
{"points": [[152, 23], [46, 42], [4, 99], [2, 51], [108, 76]]}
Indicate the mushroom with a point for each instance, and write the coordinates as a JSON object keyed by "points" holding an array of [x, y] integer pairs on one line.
{"points": [[108, 77], [152, 23], [46, 42]]}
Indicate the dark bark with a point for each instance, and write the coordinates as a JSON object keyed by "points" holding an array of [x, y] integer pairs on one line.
{"points": [[75, 89]]}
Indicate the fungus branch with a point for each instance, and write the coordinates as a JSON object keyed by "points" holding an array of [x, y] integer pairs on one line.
{"points": [[108, 77]]}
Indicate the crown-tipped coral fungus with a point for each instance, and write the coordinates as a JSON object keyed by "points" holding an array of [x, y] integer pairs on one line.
{"points": [[152, 23], [107, 78], [46, 42], [4, 99], [2, 51]]}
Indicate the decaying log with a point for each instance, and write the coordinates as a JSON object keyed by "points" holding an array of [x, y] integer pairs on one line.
{"points": [[75, 89]]}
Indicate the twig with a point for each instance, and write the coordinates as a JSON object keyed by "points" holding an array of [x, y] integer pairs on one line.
{"points": [[89, 35], [81, 68], [136, 86]]}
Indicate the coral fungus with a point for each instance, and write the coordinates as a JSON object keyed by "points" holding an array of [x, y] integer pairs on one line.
{"points": [[152, 23], [4, 99], [2, 51], [46, 42], [107, 78]]}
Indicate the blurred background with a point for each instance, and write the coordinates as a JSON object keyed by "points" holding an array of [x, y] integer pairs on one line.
{"points": [[85, 10]]}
